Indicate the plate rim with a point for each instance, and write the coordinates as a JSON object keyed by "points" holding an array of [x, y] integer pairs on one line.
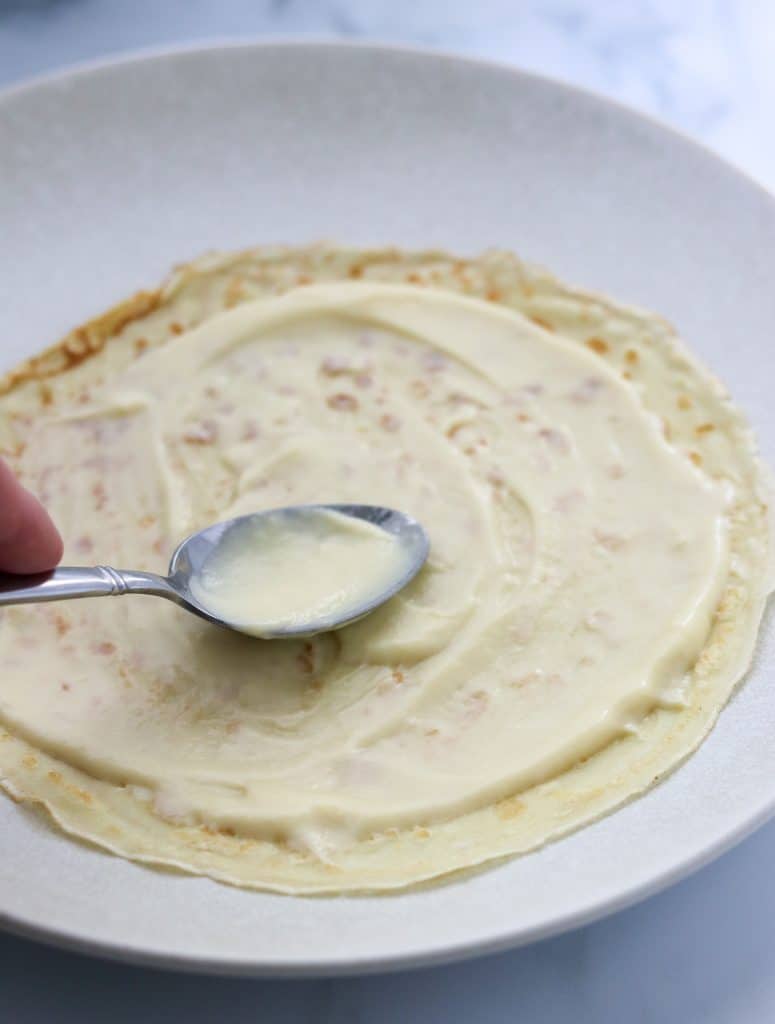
{"points": [[322, 41], [331, 966], [348, 966]]}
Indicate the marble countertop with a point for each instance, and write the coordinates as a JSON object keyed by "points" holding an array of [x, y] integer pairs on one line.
{"points": [[700, 952]]}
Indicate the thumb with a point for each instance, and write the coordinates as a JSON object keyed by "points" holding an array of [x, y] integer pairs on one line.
{"points": [[29, 541]]}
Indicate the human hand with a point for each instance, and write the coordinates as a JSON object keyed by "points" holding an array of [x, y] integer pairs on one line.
{"points": [[29, 541]]}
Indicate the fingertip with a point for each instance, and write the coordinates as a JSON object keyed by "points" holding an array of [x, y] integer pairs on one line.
{"points": [[50, 546], [30, 541]]}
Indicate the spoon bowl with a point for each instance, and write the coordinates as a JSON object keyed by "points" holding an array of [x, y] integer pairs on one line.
{"points": [[192, 555], [190, 560]]}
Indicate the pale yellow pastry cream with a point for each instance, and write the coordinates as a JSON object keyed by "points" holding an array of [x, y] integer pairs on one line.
{"points": [[591, 596], [291, 570]]}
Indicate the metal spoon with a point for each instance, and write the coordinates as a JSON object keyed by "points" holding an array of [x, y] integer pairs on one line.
{"points": [[191, 555]]}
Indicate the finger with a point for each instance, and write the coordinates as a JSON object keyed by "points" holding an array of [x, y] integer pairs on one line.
{"points": [[29, 541]]}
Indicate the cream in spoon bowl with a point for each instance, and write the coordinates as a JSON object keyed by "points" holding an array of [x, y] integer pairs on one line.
{"points": [[301, 570]]}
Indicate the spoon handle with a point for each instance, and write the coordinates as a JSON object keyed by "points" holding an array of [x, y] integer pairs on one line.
{"points": [[80, 581]]}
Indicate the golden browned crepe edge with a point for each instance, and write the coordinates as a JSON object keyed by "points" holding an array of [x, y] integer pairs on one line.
{"points": [[85, 341], [81, 343]]}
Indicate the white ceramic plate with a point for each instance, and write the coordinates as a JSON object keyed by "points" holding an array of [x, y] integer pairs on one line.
{"points": [[110, 174]]}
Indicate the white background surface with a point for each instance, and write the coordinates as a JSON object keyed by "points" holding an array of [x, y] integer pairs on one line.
{"points": [[703, 950]]}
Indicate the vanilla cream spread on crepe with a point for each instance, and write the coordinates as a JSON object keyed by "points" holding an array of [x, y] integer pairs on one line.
{"points": [[600, 559]]}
